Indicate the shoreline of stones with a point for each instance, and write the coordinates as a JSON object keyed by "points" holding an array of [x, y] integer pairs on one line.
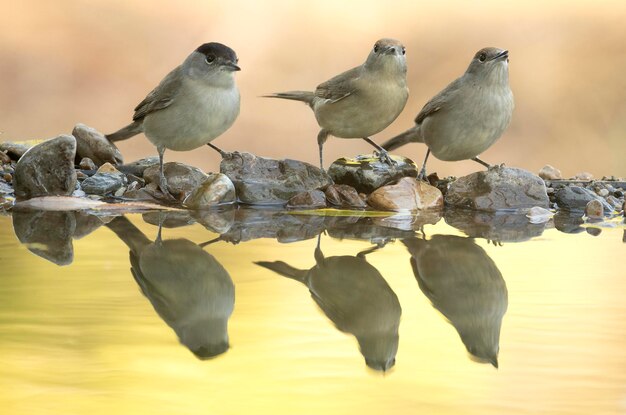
{"points": [[86, 165]]}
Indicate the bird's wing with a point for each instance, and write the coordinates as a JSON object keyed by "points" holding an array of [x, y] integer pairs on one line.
{"points": [[160, 97], [439, 101], [339, 87]]}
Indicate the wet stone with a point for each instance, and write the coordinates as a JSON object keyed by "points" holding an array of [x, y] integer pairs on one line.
{"points": [[583, 176], [603, 192], [311, 199], [499, 188], [538, 214], [344, 196], [47, 234], [14, 150], [575, 198], [568, 222], [494, 226], [368, 173], [408, 194], [103, 183], [594, 231], [87, 164], [548, 172], [182, 179], [594, 209], [94, 145], [47, 169], [138, 167], [216, 189]]}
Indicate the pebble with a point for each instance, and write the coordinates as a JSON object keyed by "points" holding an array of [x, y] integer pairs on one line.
{"points": [[408, 194], [344, 196], [87, 164], [311, 199], [585, 176], [216, 189], [548, 172], [594, 209], [537, 214], [594, 231]]}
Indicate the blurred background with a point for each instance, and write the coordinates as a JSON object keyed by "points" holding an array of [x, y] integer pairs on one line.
{"points": [[71, 61]]}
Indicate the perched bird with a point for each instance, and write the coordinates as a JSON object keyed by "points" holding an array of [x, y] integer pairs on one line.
{"points": [[468, 116], [362, 101], [464, 284], [356, 298], [193, 104], [188, 288]]}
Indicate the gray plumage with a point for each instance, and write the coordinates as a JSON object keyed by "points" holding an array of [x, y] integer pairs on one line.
{"points": [[362, 101], [469, 115], [356, 298], [188, 288], [465, 285]]}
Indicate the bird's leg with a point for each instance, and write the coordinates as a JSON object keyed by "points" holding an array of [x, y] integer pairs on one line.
{"points": [[158, 241], [219, 150], [319, 256], [479, 161], [422, 175], [322, 136], [383, 155], [162, 180]]}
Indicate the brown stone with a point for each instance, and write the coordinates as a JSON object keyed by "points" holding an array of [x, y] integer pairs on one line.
{"points": [[342, 195], [548, 172], [311, 199], [594, 209], [216, 189], [407, 194], [94, 145]]}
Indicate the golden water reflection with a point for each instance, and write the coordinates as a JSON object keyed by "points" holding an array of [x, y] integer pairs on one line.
{"points": [[107, 334]]}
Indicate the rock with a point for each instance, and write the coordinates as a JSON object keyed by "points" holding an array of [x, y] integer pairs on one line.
{"points": [[368, 173], [47, 169], [169, 220], [87, 164], [494, 226], [311, 199], [575, 198], [548, 172], [584, 176], [5, 188], [86, 224], [594, 209], [109, 168], [408, 194], [568, 222], [14, 150], [94, 145], [181, 178], [594, 231], [46, 234], [539, 215], [373, 229], [138, 167], [603, 192], [4, 158], [103, 183], [344, 196], [216, 220], [260, 180], [498, 188], [614, 202], [216, 189]]}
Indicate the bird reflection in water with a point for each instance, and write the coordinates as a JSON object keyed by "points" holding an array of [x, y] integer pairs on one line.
{"points": [[187, 287], [464, 284], [356, 298]]}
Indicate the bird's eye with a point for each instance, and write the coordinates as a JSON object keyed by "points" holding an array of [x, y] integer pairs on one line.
{"points": [[375, 48], [403, 51], [482, 57], [210, 59]]}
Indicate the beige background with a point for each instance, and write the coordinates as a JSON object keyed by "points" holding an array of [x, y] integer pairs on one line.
{"points": [[64, 62]]}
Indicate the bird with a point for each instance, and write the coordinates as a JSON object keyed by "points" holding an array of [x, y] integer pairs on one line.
{"points": [[467, 116], [465, 285], [362, 101], [356, 298], [188, 288], [194, 104]]}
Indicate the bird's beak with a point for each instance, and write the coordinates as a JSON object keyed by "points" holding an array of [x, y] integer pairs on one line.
{"points": [[503, 54], [231, 66]]}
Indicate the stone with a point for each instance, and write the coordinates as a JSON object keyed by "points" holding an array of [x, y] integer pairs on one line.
{"points": [[93, 144], [408, 194], [614, 202], [538, 214], [216, 189], [87, 164], [47, 234], [498, 188], [594, 231], [311, 199], [170, 220], [594, 209], [499, 227], [182, 179], [5, 188], [265, 181], [4, 158], [568, 222], [372, 229], [218, 220], [575, 198], [86, 224], [14, 150], [138, 167], [583, 176], [548, 172], [108, 168], [603, 192], [103, 184], [344, 196], [368, 173], [47, 169]]}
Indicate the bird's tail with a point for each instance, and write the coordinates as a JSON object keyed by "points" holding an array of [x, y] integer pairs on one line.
{"points": [[303, 96], [412, 135], [284, 269], [130, 130]]}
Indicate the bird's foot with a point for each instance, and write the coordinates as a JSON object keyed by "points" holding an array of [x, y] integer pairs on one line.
{"points": [[422, 175], [167, 196], [384, 157]]}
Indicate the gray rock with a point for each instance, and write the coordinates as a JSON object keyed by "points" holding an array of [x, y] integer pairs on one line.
{"points": [[87, 164], [568, 222], [5, 188], [575, 198], [216, 189], [548, 172], [603, 192], [14, 150], [103, 183], [4, 158], [138, 167], [218, 220], [594, 231], [494, 226], [182, 179], [173, 219], [614, 202], [584, 176], [311, 199], [93, 144], [368, 173], [499, 188], [47, 169], [344, 196], [47, 234], [408, 194], [260, 180], [86, 224]]}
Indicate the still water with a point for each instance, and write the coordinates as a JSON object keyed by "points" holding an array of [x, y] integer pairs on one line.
{"points": [[267, 312]]}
